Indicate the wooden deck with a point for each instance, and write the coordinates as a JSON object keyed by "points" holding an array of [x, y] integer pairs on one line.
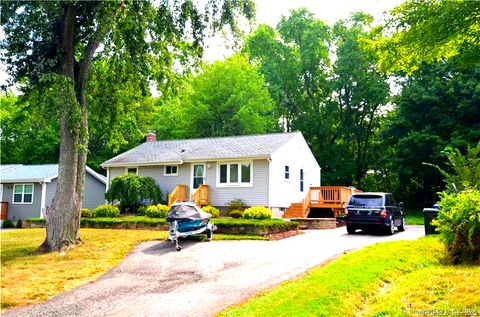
{"points": [[331, 197]]}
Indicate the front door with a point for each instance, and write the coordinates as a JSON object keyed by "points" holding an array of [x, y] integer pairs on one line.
{"points": [[198, 176]]}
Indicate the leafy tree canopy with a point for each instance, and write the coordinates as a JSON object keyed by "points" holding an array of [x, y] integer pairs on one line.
{"points": [[50, 48], [226, 98], [420, 31]]}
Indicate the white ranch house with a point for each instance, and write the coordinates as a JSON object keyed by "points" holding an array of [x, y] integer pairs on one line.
{"points": [[272, 170]]}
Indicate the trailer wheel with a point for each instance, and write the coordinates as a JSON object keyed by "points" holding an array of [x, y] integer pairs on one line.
{"points": [[209, 235], [178, 248]]}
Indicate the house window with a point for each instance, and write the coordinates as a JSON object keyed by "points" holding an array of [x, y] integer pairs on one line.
{"points": [[171, 170], [287, 172], [23, 194], [235, 174], [132, 170], [301, 180]]}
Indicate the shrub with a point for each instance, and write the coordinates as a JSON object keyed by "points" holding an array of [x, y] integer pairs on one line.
{"points": [[86, 213], [212, 210], [130, 189], [19, 224], [236, 214], [7, 224], [109, 211], [257, 212], [40, 221], [141, 210], [459, 225], [157, 211], [236, 204]]}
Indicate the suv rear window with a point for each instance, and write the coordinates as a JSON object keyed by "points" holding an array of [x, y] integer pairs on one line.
{"points": [[366, 200]]}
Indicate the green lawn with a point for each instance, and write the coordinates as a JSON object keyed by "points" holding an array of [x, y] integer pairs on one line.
{"points": [[414, 216], [29, 278], [381, 280]]}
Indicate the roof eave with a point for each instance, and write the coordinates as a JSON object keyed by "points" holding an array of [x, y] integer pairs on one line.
{"points": [[258, 157]]}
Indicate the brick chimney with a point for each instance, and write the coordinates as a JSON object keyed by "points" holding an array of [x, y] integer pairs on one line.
{"points": [[151, 136]]}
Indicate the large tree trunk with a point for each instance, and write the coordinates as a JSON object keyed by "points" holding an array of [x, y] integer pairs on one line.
{"points": [[63, 216]]}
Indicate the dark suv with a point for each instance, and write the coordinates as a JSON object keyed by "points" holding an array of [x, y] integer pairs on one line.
{"points": [[374, 210]]}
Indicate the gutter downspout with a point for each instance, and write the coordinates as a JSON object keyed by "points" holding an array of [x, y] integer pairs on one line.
{"points": [[269, 159], [108, 179]]}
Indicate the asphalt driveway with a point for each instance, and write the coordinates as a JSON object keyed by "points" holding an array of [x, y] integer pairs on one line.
{"points": [[205, 277]]}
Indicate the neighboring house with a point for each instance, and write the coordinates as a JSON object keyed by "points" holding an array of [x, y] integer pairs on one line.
{"points": [[272, 170], [29, 189]]}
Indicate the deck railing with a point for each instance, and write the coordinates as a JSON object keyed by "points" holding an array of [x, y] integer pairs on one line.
{"points": [[178, 194], [330, 195], [200, 196]]}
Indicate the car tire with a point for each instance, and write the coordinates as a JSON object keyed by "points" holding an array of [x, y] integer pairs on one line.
{"points": [[402, 226], [351, 229], [390, 230]]}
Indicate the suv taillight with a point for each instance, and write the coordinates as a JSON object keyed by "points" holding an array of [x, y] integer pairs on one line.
{"points": [[384, 213]]}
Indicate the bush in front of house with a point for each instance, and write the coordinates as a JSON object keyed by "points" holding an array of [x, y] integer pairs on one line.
{"points": [[106, 211], [7, 224], [157, 211], [257, 212], [130, 189], [236, 204], [19, 224], [236, 214], [141, 210], [212, 210], [459, 225], [86, 213]]}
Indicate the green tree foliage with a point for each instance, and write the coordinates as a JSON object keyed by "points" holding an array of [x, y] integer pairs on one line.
{"points": [[28, 136], [294, 60], [459, 225], [50, 48], [131, 189], [463, 170], [336, 106], [226, 98], [438, 106], [419, 31], [360, 93]]}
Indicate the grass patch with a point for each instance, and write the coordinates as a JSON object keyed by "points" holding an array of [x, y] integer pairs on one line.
{"points": [[385, 279], [29, 278], [414, 216]]}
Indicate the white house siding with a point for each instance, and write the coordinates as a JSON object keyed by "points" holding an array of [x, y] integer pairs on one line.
{"points": [[22, 211], [167, 183], [114, 172], [257, 195], [297, 155]]}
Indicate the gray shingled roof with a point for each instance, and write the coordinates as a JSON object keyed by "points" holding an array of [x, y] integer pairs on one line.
{"points": [[202, 149], [36, 173]]}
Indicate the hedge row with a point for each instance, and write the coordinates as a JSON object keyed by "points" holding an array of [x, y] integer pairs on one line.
{"points": [[252, 226], [224, 225]]}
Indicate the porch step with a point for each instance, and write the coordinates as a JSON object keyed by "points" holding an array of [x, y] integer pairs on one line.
{"points": [[295, 211]]}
